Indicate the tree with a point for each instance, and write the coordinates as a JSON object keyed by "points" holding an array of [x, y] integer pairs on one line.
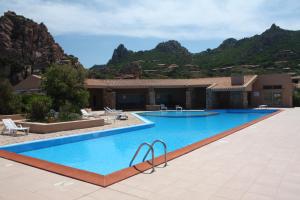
{"points": [[296, 97], [39, 107], [65, 84], [10, 103]]}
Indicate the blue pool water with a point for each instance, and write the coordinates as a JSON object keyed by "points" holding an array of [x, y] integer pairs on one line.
{"points": [[108, 151]]}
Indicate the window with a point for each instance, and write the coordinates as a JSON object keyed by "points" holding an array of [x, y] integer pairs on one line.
{"points": [[272, 95], [268, 87], [272, 87], [277, 87]]}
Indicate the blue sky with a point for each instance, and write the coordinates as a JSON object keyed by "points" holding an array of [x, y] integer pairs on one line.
{"points": [[92, 29]]}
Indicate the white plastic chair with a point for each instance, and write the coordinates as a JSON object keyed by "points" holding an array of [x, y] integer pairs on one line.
{"points": [[11, 128]]}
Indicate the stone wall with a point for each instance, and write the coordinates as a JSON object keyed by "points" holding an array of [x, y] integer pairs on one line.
{"points": [[210, 99], [188, 98], [151, 96], [61, 126], [283, 80], [109, 99], [238, 99]]}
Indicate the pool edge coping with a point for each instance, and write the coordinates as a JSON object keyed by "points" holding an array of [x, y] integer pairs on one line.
{"points": [[107, 180], [145, 124]]}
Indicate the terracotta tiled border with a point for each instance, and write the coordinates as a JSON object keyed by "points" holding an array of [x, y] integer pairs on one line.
{"points": [[117, 176]]}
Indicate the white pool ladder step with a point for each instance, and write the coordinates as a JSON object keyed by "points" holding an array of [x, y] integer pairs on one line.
{"points": [[151, 149]]}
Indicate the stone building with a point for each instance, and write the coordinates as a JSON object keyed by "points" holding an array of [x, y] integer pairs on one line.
{"points": [[202, 93], [274, 90]]}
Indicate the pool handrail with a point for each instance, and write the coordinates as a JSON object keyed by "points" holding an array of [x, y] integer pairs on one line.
{"points": [[165, 150], [137, 152]]}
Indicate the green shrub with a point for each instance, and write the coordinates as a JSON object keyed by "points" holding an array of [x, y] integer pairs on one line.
{"points": [[10, 103], [69, 116], [296, 98], [39, 106], [68, 107], [26, 101], [66, 84], [14, 105], [68, 112]]}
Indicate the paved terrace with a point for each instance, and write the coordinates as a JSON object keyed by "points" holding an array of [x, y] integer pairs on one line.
{"points": [[260, 162], [8, 139]]}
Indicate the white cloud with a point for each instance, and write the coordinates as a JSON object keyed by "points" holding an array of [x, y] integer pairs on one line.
{"points": [[168, 19]]}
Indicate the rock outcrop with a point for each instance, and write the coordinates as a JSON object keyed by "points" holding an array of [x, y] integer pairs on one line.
{"points": [[131, 70], [173, 47], [230, 42], [27, 47], [120, 53]]}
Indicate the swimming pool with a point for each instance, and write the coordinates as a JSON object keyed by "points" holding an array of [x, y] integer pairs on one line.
{"points": [[106, 152]]}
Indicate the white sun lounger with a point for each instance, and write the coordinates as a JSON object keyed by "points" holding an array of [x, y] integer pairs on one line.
{"points": [[85, 114], [177, 107], [117, 113], [262, 106], [11, 128], [163, 107], [107, 109], [110, 115]]}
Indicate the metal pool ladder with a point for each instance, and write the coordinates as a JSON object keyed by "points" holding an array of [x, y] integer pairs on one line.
{"points": [[151, 149]]}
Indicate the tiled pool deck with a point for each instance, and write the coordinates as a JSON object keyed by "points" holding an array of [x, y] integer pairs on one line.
{"points": [[259, 162], [5, 139]]}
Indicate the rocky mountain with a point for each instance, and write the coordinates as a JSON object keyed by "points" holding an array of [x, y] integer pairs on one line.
{"points": [[120, 53], [274, 51], [172, 47], [166, 52], [166, 56], [27, 47]]}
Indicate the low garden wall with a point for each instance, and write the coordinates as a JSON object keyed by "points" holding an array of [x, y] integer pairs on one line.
{"points": [[13, 117], [36, 127]]}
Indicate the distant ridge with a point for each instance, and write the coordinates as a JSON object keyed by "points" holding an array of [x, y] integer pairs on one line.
{"points": [[275, 50]]}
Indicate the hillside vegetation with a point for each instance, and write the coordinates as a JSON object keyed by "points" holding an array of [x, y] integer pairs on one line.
{"points": [[274, 51]]}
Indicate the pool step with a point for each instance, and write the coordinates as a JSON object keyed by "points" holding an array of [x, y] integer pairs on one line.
{"points": [[151, 149]]}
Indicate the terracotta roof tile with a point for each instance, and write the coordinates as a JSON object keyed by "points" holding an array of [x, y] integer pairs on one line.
{"points": [[32, 82], [214, 82]]}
